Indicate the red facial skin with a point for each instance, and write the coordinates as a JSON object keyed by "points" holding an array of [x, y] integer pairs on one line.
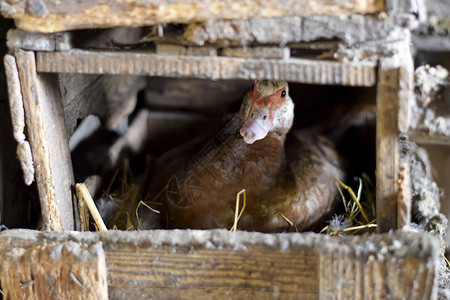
{"points": [[272, 102], [261, 114]]}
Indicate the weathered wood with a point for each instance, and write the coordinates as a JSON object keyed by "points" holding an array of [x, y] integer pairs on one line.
{"points": [[387, 150], [394, 92], [111, 98], [18, 38], [52, 270], [294, 70], [49, 143], [257, 52], [185, 50], [213, 264], [52, 16], [423, 136], [285, 30], [18, 119], [81, 95]]}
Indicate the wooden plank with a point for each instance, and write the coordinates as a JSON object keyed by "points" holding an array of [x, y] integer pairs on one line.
{"points": [[294, 70], [111, 98], [350, 29], [49, 143], [173, 49], [257, 52], [52, 16], [54, 270], [387, 150], [187, 264], [25, 40], [394, 92], [18, 119], [423, 136]]}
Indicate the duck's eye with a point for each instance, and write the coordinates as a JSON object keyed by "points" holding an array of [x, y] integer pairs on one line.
{"points": [[253, 87], [283, 93], [265, 117]]}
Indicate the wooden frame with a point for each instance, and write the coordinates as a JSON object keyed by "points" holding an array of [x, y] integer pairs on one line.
{"points": [[392, 97], [205, 264], [50, 16], [215, 264]]}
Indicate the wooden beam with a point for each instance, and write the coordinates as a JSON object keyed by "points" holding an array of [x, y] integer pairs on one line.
{"points": [[53, 270], [52, 16], [387, 150], [216, 263], [294, 70], [18, 119], [44, 118], [287, 30], [394, 93], [423, 136]]}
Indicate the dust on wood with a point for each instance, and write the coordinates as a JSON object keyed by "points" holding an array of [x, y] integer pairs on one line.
{"points": [[73, 14], [208, 263], [49, 143], [131, 63]]}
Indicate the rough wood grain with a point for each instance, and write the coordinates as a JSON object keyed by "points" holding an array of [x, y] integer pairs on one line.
{"points": [[387, 150], [111, 98], [257, 52], [53, 15], [18, 119], [18, 38], [81, 95], [49, 143], [371, 272], [53, 270], [185, 50], [394, 96], [295, 70], [216, 264], [351, 29]]}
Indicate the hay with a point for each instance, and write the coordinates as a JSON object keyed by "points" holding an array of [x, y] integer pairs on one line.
{"points": [[237, 216], [290, 223], [129, 200], [359, 215], [84, 196]]}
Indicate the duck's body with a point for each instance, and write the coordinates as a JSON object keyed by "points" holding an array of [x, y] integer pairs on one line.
{"points": [[284, 178]]}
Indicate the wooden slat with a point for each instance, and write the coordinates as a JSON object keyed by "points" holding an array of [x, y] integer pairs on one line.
{"points": [[185, 264], [423, 136], [387, 150], [49, 143], [394, 91], [294, 70], [351, 29], [54, 270], [18, 119], [51, 16]]}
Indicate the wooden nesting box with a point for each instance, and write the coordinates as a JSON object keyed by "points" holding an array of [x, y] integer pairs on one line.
{"points": [[367, 44]]}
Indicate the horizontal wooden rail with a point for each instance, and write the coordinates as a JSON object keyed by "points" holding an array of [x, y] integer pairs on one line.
{"points": [[52, 16], [185, 264], [211, 67]]}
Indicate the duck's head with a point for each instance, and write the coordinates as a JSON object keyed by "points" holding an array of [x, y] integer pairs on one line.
{"points": [[267, 109]]}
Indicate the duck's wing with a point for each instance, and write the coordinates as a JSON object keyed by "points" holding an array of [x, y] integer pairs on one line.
{"points": [[182, 157], [314, 165]]}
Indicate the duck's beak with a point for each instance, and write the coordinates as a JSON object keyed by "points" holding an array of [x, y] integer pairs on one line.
{"points": [[256, 125]]}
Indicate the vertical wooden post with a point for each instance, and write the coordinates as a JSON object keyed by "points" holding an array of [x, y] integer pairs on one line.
{"points": [[387, 149], [395, 83], [44, 119]]}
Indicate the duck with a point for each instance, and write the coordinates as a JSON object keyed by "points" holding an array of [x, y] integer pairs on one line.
{"points": [[288, 177]]}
